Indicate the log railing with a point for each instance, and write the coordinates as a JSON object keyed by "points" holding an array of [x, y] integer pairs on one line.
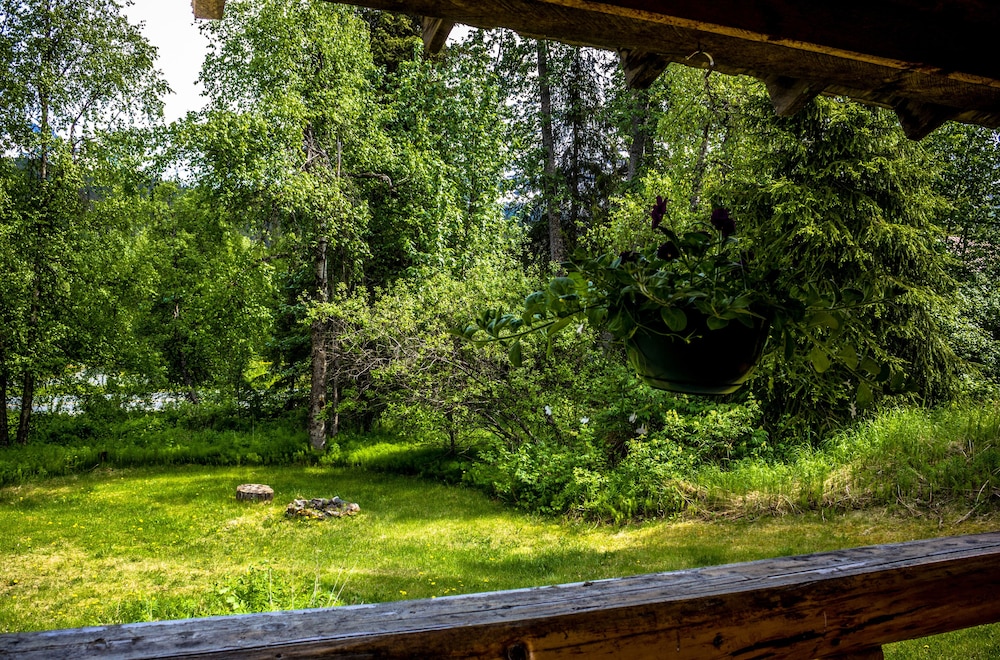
{"points": [[846, 604]]}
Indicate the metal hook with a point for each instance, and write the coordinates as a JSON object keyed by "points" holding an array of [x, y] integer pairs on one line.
{"points": [[711, 60]]}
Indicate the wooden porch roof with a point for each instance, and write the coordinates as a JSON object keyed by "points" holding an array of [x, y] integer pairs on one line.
{"points": [[929, 60]]}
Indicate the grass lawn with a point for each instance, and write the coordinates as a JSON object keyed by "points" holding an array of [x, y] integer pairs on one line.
{"points": [[134, 545]]}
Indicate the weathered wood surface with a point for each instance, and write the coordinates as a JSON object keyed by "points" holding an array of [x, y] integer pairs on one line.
{"points": [[845, 603], [890, 53], [254, 493]]}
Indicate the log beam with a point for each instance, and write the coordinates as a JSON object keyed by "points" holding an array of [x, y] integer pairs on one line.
{"points": [[865, 49], [789, 95], [641, 68], [844, 603], [435, 33]]}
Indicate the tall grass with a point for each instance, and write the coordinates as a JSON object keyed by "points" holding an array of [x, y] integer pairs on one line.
{"points": [[912, 458], [67, 444]]}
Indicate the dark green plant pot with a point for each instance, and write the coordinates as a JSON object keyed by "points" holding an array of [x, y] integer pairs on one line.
{"points": [[716, 362]]}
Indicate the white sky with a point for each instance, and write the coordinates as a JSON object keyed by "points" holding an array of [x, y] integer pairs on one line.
{"points": [[171, 27]]}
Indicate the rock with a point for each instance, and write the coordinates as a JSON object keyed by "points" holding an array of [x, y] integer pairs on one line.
{"points": [[321, 508]]}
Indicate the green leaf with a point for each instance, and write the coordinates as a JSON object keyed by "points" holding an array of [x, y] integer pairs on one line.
{"points": [[514, 354], [849, 356], [562, 286], [675, 318], [716, 323], [819, 359], [864, 397], [825, 319], [558, 325], [871, 366]]}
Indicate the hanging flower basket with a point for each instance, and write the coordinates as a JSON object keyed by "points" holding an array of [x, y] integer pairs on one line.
{"points": [[712, 362], [694, 312]]}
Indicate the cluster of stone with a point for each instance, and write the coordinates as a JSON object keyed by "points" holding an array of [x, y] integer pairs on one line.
{"points": [[321, 508]]}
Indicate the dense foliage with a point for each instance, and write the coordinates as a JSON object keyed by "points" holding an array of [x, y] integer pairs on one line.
{"points": [[305, 247]]}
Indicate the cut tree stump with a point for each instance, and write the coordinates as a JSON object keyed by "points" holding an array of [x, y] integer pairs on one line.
{"points": [[254, 493]]}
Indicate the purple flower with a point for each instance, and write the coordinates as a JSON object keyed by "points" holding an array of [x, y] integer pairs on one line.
{"points": [[628, 256], [668, 251], [659, 209], [722, 222]]}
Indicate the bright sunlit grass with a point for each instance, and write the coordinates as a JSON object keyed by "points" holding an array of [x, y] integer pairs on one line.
{"points": [[134, 545]]}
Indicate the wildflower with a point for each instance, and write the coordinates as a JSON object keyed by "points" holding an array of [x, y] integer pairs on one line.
{"points": [[668, 251], [659, 209], [722, 222]]}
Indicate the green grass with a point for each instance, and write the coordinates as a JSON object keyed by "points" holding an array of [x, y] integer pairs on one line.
{"points": [[152, 543]]}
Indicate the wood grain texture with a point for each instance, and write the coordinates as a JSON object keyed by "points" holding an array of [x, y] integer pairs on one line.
{"points": [[788, 96], [641, 68], [435, 34], [844, 603], [884, 52]]}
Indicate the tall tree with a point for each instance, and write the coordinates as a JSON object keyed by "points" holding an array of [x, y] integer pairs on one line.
{"points": [[837, 195], [210, 312], [292, 129], [72, 68]]}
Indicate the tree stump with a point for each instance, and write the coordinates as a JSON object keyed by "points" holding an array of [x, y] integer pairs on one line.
{"points": [[254, 493]]}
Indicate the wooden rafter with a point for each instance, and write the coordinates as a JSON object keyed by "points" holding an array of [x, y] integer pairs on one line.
{"points": [[928, 61], [788, 95], [435, 32], [641, 68]]}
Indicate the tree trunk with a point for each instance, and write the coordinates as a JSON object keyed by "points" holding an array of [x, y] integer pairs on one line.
{"points": [[27, 402], [557, 249], [700, 165], [318, 354], [4, 419], [333, 416], [192, 390], [577, 130], [640, 131]]}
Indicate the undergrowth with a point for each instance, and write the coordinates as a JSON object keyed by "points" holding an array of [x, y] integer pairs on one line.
{"points": [[912, 458]]}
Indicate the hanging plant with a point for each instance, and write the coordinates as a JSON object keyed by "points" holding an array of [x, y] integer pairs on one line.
{"points": [[694, 313]]}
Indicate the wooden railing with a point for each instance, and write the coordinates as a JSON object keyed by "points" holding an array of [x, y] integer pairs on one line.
{"points": [[846, 603]]}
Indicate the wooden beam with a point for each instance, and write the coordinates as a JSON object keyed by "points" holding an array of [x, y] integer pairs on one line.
{"points": [[791, 45], [844, 604], [641, 68], [211, 9], [789, 95], [920, 119], [951, 37], [436, 31]]}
